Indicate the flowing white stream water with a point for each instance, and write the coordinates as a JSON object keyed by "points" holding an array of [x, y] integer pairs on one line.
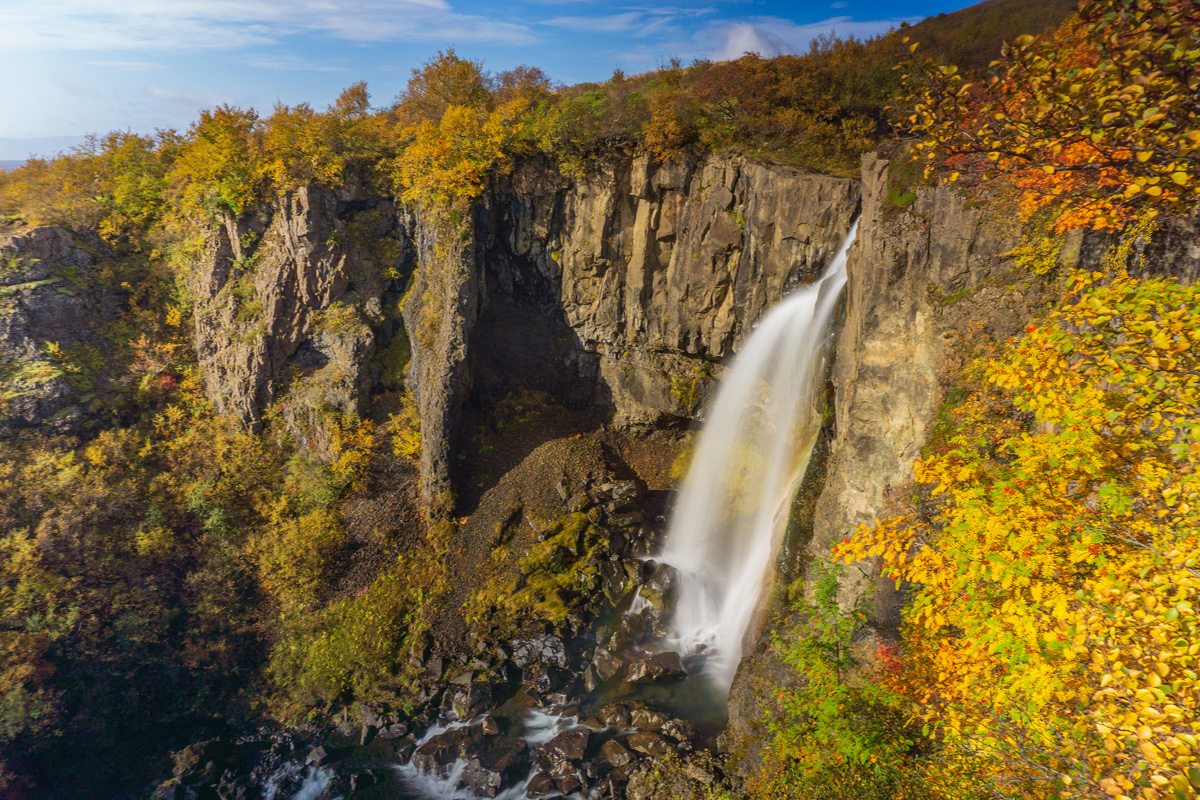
{"points": [[751, 456]]}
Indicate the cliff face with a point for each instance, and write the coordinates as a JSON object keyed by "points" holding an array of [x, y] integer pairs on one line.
{"points": [[619, 293], [50, 296], [292, 303]]}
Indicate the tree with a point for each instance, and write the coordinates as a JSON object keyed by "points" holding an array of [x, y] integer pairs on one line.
{"points": [[442, 83], [1101, 117], [217, 169], [1053, 625]]}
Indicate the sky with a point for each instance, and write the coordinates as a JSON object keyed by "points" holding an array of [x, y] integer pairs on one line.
{"points": [[74, 67]]}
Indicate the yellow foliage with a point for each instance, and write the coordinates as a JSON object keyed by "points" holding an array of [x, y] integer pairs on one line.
{"points": [[1055, 623], [405, 427]]}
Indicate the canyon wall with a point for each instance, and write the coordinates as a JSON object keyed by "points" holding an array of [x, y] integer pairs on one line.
{"points": [[621, 292]]}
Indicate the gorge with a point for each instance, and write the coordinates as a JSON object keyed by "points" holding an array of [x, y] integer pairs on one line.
{"points": [[700, 434]]}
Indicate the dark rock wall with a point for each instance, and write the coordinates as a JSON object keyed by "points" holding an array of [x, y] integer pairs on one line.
{"points": [[621, 292], [49, 295]]}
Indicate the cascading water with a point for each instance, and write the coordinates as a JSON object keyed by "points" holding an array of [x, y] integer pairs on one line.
{"points": [[751, 456]]}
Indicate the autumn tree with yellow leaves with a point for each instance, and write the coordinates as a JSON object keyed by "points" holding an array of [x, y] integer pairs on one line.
{"points": [[1054, 621], [1093, 120]]}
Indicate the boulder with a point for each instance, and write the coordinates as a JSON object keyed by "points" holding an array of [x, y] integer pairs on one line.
{"points": [[607, 664], [566, 746], [647, 719], [656, 668], [660, 588], [546, 649], [616, 753], [650, 743]]}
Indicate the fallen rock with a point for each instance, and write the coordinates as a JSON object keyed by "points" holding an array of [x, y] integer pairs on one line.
{"points": [[659, 590], [656, 668], [566, 746], [547, 649], [650, 743], [647, 719], [616, 753]]}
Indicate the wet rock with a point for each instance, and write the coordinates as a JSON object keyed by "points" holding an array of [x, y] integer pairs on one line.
{"points": [[616, 753], [566, 746], [503, 763], [568, 784], [540, 785], [615, 715], [547, 649], [615, 582], [656, 668], [679, 730], [650, 743], [463, 678], [626, 520], [660, 588], [441, 750], [647, 719], [607, 664], [468, 701], [629, 633], [434, 667]]}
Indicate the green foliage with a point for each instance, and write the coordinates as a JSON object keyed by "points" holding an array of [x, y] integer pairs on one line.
{"points": [[840, 734], [353, 645], [560, 566], [847, 720]]}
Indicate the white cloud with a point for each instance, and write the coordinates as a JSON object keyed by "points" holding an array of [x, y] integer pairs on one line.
{"points": [[288, 64], [129, 66], [230, 24], [188, 102], [742, 37], [772, 36], [637, 22], [613, 23]]}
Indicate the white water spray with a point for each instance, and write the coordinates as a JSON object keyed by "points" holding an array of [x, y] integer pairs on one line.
{"points": [[751, 456]]}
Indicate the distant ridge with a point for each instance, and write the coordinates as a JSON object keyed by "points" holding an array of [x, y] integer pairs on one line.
{"points": [[971, 38], [11, 164]]}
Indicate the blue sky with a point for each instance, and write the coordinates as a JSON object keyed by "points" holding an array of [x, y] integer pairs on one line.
{"points": [[90, 66]]}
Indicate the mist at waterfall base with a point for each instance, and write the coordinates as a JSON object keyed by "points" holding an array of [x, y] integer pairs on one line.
{"points": [[752, 454]]}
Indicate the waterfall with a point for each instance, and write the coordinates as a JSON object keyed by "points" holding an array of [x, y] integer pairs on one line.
{"points": [[748, 463]]}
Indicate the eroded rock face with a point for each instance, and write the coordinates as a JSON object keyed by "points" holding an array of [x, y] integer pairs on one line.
{"points": [[659, 269], [292, 303], [619, 292], [891, 358], [50, 298]]}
